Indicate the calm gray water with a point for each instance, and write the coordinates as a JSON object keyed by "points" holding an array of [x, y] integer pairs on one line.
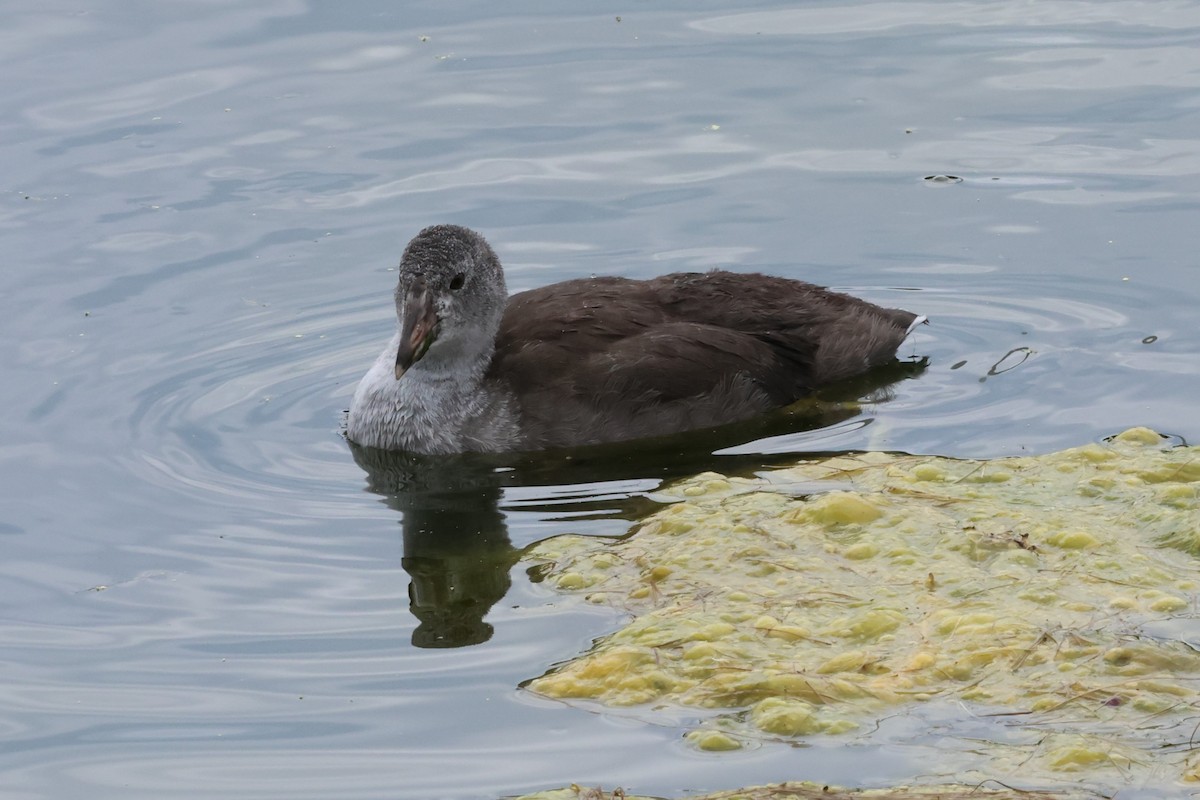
{"points": [[204, 594]]}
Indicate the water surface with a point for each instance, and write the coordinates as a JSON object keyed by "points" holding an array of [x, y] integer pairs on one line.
{"points": [[204, 593]]}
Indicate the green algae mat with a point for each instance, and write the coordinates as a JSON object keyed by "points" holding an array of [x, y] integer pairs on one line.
{"points": [[1057, 592], [810, 791]]}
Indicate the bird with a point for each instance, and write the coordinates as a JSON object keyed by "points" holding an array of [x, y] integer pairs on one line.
{"points": [[599, 359]]}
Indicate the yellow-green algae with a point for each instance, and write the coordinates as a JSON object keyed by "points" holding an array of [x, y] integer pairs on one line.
{"points": [[816, 791], [1018, 585]]}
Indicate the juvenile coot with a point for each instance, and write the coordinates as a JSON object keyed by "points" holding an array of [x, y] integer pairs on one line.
{"points": [[598, 359]]}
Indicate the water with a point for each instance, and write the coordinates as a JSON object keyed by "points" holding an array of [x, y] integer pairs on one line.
{"points": [[201, 594]]}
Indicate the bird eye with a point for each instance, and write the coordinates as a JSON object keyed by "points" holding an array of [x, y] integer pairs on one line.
{"points": [[457, 282]]}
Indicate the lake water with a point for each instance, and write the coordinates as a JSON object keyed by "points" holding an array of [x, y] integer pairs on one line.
{"points": [[204, 594]]}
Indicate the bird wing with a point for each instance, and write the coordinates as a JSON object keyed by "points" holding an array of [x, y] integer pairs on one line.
{"points": [[609, 358], [605, 359]]}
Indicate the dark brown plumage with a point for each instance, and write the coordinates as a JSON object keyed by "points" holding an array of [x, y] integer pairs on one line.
{"points": [[604, 359]]}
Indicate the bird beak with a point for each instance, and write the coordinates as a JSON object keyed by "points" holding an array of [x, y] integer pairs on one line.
{"points": [[418, 329]]}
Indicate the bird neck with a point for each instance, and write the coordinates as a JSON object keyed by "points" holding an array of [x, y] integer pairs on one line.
{"points": [[432, 409]]}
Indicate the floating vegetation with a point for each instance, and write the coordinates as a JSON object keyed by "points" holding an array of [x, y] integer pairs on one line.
{"points": [[814, 791], [1050, 593]]}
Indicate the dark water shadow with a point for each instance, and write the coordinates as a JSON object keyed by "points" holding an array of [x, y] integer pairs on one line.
{"points": [[457, 548]]}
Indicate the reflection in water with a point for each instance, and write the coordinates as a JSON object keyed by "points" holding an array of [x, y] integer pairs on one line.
{"points": [[1010, 360], [456, 545]]}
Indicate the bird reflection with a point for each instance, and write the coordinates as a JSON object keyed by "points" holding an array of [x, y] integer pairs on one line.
{"points": [[456, 545], [457, 549]]}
